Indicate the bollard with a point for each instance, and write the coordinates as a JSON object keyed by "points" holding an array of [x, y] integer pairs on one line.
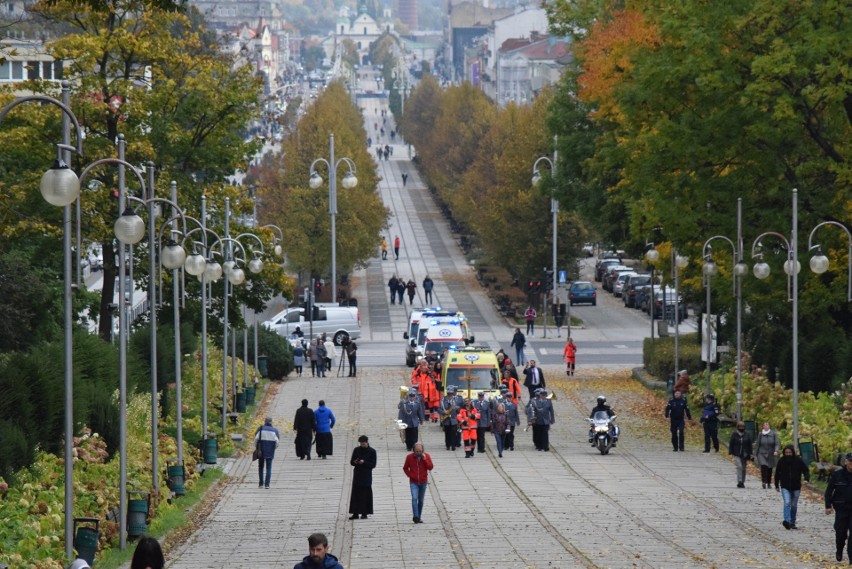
{"points": [[86, 539], [211, 450], [137, 513], [250, 394], [175, 475], [241, 401]]}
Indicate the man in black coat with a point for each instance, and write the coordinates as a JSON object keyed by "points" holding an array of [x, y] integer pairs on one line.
{"points": [[742, 449], [788, 481], [838, 497], [710, 420], [364, 460], [533, 378], [393, 283], [305, 425], [677, 412]]}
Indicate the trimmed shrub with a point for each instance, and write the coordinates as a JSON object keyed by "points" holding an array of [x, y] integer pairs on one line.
{"points": [[658, 356]]}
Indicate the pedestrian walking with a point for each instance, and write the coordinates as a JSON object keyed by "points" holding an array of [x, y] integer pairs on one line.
{"points": [[468, 421], [379, 152], [393, 283], [384, 247], [683, 382], [741, 447], [330, 353], [411, 286], [320, 353], [710, 421], [387, 152], [400, 291], [404, 179], [677, 411], [534, 378], [512, 415], [312, 356], [519, 341], [318, 555], [540, 415], [148, 555], [325, 423], [396, 244], [428, 285], [268, 437], [788, 480], [411, 413], [512, 385], [570, 355], [352, 353], [483, 408], [530, 315], [305, 425], [500, 427], [449, 410], [298, 358], [417, 465], [766, 453], [364, 461], [838, 497]]}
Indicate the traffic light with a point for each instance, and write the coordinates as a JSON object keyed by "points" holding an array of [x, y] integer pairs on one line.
{"points": [[548, 279], [537, 287], [529, 287]]}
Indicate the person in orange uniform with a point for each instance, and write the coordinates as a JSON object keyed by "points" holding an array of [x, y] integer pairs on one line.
{"points": [[570, 355], [468, 417], [423, 380], [513, 385]]}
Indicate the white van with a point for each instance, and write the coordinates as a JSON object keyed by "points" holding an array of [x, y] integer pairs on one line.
{"points": [[335, 321]]}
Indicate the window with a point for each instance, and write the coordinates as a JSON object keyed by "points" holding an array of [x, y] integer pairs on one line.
{"points": [[341, 30], [17, 70], [33, 69], [5, 70]]}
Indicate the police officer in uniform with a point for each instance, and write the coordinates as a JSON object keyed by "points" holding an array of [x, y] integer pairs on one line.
{"points": [[838, 497], [483, 407], [677, 411], [411, 413], [710, 420], [449, 411], [540, 415]]}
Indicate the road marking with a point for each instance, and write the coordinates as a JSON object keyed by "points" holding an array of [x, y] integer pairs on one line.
{"points": [[621, 346]]}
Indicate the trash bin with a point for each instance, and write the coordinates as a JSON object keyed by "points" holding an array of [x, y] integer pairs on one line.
{"points": [[211, 450], [263, 366], [241, 401], [86, 539], [806, 450], [250, 393], [137, 513], [175, 476]]}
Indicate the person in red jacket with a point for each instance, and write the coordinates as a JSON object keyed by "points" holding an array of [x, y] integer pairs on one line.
{"points": [[570, 355], [417, 465]]}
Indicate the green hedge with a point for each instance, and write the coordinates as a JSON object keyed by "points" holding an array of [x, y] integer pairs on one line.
{"points": [[658, 356]]}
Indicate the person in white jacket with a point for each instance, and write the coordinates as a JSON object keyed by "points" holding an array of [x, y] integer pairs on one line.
{"points": [[330, 353]]}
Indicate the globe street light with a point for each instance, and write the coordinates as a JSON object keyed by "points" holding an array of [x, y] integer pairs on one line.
{"points": [[678, 262], [349, 182], [58, 188], [554, 210], [819, 262]]}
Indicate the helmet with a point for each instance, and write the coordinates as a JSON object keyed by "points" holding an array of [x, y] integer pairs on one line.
{"points": [[601, 399]]}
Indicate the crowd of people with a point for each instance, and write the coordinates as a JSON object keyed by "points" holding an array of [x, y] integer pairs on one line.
{"points": [[322, 354]]}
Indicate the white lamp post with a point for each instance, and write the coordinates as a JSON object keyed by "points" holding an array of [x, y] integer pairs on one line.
{"points": [[554, 211]]}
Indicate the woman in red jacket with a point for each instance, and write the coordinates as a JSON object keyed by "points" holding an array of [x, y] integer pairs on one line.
{"points": [[417, 465]]}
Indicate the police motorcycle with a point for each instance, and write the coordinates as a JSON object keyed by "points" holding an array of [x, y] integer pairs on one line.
{"points": [[603, 432]]}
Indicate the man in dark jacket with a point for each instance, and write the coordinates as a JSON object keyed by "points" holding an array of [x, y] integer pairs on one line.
{"points": [[710, 420], [267, 436], [364, 460], [304, 424], [602, 407], [788, 480], [319, 557], [677, 412], [393, 283], [428, 285], [741, 448], [483, 408], [838, 497], [533, 378]]}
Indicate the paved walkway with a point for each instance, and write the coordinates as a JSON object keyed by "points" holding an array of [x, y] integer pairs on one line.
{"points": [[641, 506]]}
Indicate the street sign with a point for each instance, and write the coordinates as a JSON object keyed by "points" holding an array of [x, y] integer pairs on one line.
{"points": [[563, 277], [723, 349]]}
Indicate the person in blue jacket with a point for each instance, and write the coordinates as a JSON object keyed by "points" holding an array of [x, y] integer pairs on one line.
{"points": [[268, 437], [325, 423], [319, 557]]}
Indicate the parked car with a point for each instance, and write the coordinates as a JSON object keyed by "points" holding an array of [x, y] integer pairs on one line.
{"points": [[582, 291], [589, 249], [336, 321], [620, 281], [628, 294], [602, 266], [611, 274], [666, 297]]}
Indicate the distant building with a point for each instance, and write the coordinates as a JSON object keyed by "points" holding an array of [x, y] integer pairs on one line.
{"points": [[362, 31], [525, 67], [27, 59], [408, 13]]}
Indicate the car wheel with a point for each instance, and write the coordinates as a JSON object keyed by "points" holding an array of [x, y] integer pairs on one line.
{"points": [[338, 338]]}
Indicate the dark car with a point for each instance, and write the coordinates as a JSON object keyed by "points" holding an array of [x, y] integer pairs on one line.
{"points": [[582, 292], [628, 295], [667, 297], [602, 267]]}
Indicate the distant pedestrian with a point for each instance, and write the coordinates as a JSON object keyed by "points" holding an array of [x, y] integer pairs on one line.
{"points": [[298, 358], [364, 461], [387, 152], [677, 411], [683, 382], [382, 131], [417, 466], [321, 355], [268, 437], [312, 356], [148, 555], [533, 378], [570, 355], [710, 421], [788, 480], [400, 291], [838, 497], [500, 427], [404, 179], [483, 407], [305, 425], [330, 353], [396, 244], [741, 448], [352, 353], [325, 423], [766, 453], [540, 415], [384, 247], [428, 285], [319, 557], [411, 286], [392, 285], [379, 152], [369, 141], [512, 414], [411, 413], [392, 134], [519, 341], [530, 316], [449, 414]]}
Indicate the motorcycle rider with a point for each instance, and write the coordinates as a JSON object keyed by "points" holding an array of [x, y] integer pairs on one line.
{"points": [[603, 407]]}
